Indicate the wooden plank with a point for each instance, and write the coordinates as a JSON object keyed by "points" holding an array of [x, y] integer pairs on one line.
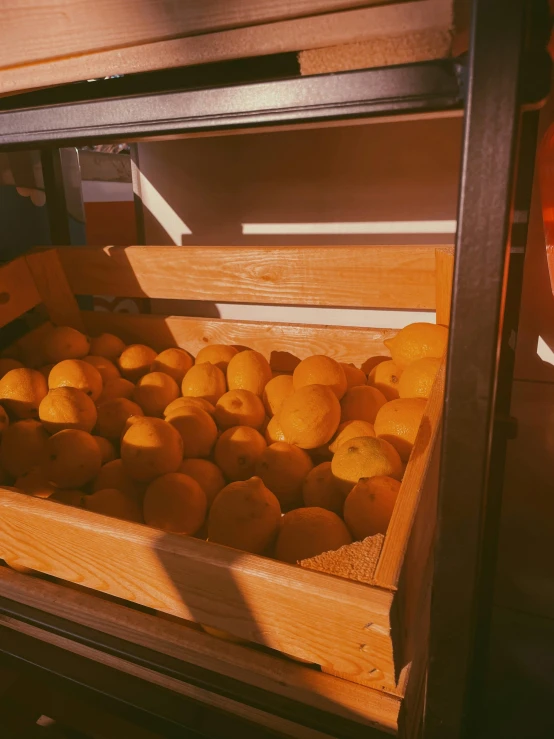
{"points": [[29, 348], [257, 599], [407, 48], [273, 38], [444, 261], [280, 677], [188, 691], [412, 490], [18, 292], [345, 276], [53, 288], [282, 343], [49, 29], [413, 610]]}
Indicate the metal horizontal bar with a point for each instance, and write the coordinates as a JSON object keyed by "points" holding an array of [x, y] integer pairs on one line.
{"points": [[426, 86]]}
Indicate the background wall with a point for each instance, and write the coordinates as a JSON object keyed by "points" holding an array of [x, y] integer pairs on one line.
{"points": [[376, 183]]}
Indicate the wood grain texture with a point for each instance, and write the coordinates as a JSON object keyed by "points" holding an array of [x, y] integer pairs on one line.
{"points": [[18, 292], [444, 262], [257, 599], [407, 556], [344, 276], [268, 38], [47, 29], [412, 490], [53, 288], [188, 691], [413, 608], [278, 676], [282, 343], [383, 51]]}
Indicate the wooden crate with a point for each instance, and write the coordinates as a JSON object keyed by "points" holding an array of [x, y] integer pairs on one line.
{"points": [[369, 638]]}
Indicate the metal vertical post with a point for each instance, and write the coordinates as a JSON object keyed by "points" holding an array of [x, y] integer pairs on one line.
{"points": [[52, 171], [484, 310]]}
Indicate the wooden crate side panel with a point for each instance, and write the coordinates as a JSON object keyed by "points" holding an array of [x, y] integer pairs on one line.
{"points": [[28, 349], [400, 277], [53, 288], [412, 489], [282, 343], [278, 676], [413, 607], [18, 292], [309, 615], [47, 29]]}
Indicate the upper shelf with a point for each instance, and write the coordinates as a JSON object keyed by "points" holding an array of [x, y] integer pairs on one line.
{"points": [[109, 112]]}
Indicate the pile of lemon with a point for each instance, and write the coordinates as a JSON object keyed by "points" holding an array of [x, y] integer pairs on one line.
{"points": [[218, 447]]}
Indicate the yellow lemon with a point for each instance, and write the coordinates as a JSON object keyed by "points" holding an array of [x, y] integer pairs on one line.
{"points": [[418, 340], [385, 376], [398, 422], [369, 505], [239, 408], [204, 381], [174, 362], [237, 451], [67, 408], [320, 370], [283, 468], [321, 490], [277, 390], [351, 430], [310, 416], [218, 354], [307, 532], [361, 403], [248, 370], [78, 374], [366, 456], [418, 378], [245, 515]]}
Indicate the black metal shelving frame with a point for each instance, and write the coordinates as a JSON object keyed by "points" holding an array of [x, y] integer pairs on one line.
{"points": [[499, 87]]}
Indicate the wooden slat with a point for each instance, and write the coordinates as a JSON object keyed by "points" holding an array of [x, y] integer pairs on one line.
{"points": [[46, 29], [346, 276], [414, 610], [53, 288], [412, 489], [307, 614], [406, 48], [18, 292], [444, 261], [268, 38], [282, 343], [188, 691], [280, 677]]}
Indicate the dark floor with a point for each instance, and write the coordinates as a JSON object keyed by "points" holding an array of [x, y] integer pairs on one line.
{"points": [[520, 686]]}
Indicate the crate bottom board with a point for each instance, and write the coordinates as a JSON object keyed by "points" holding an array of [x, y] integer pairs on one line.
{"points": [[279, 679]]}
